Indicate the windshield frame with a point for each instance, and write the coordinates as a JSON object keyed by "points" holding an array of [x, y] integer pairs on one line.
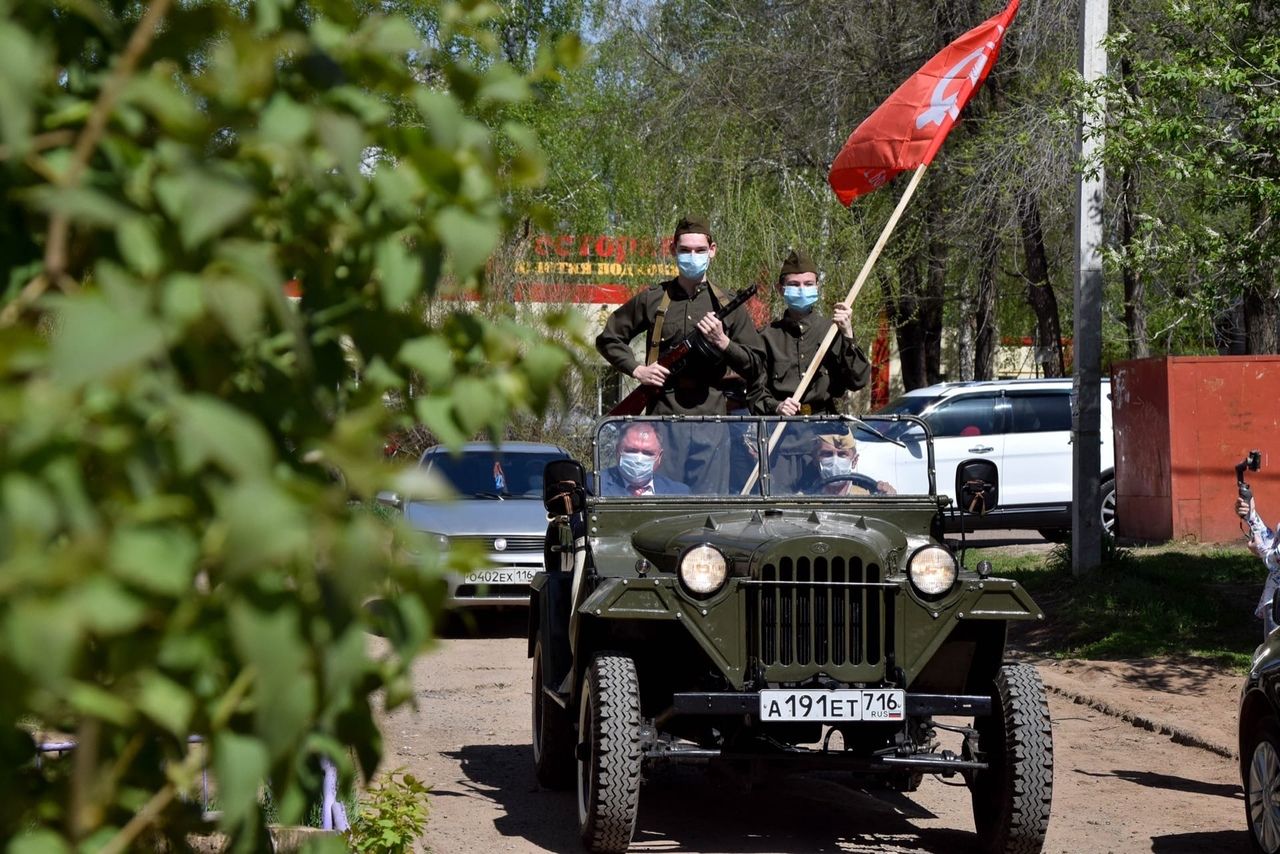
{"points": [[762, 422]]}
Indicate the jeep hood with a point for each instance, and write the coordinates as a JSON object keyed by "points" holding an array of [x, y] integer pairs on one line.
{"points": [[748, 539]]}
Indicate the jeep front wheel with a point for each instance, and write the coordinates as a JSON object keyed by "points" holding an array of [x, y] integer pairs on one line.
{"points": [[552, 732], [1011, 798], [609, 754]]}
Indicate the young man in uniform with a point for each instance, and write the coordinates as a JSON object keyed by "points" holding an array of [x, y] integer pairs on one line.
{"points": [[790, 343], [666, 314]]}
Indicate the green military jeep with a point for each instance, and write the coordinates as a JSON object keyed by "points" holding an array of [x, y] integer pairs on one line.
{"points": [[775, 595]]}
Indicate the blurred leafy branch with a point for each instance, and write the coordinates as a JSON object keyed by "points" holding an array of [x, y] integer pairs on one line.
{"points": [[180, 445]]}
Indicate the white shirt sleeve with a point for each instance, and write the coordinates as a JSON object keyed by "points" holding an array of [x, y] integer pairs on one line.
{"points": [[1263, 535]]}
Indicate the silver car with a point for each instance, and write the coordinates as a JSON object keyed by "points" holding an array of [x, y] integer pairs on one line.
{"points": [[498, 510]]}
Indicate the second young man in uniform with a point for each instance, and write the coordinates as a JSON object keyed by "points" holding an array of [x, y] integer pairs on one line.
{"points": [[790, 343]]}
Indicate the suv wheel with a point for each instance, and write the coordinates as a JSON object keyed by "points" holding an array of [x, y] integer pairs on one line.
{"points": [[552, 732], [609, 754], [1011, 798], [1108, 505], [1261, 782]]}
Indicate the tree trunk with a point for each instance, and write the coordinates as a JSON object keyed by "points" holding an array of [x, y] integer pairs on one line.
{"points": [[1040, 295], [964, 336], [1261, 302], [986, 326], [1260, 318], [904, 314], [1228, 331], [934, 298], [1135, 303]]}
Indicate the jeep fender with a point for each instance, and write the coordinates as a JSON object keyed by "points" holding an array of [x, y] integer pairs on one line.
{"points": [[549, 616]]}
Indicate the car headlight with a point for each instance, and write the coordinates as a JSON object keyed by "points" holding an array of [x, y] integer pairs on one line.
{"points": [[703, 570], [417, 543], [932, 570]]}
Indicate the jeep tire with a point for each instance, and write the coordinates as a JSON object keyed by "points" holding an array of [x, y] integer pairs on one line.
{"points": [[1011, 798], [608, 754], [552, 732]]}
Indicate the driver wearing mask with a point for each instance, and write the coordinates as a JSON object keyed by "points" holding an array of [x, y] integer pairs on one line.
{"points": [[639, 454], [835, 456]]}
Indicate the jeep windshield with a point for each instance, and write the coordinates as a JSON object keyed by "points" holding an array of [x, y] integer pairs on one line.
{"points": [[836, 457]]}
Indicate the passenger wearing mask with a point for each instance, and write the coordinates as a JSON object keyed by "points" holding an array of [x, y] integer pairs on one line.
{"points": [[790, 343], [639, 455]]}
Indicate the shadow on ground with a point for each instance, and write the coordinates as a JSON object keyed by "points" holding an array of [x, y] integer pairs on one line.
{"points": [[693, 809], [485, 623], [1152, 780], [1218, 841]]}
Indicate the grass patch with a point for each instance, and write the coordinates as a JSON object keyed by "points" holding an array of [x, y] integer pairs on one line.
{"points": [[1176, 599]]}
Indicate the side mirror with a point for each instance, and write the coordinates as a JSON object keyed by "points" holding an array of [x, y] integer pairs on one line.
{"points": [[389, 499], [977, 486], [564, 487]]}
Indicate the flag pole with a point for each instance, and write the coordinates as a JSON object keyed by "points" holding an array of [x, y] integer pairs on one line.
{"points": [[830, 337]]}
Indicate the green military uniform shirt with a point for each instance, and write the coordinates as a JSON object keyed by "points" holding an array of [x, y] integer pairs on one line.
{"points": [[790, 343], [699, 388]]}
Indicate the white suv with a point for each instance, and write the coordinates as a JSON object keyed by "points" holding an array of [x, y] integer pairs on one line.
{"points": [[1024, 427]]}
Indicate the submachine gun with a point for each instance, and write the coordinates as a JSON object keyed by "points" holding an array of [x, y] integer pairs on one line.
{"points": [[677, 358]]}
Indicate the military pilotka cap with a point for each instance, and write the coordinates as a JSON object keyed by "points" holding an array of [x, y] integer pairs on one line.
{"points": [[797, 262], [692, 225], [839, 441]]}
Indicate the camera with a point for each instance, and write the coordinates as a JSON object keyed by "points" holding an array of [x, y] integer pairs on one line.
{"points": [[1252, 462]]}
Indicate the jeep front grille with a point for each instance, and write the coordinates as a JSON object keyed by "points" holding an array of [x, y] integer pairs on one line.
{"points": [[818, 615]]}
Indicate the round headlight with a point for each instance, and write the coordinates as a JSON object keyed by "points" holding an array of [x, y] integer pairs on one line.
{"points": [[932, 570], [703, 570]]}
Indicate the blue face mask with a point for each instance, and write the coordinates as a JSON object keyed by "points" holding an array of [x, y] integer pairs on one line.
{"points": [[800, 297], [693, 264], [637, 468]]}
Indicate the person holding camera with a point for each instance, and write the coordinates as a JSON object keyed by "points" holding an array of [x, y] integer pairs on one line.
{"points": [[1265, 543]]}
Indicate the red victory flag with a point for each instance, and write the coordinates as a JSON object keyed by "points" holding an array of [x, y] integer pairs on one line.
{"points": [[907, 130]]}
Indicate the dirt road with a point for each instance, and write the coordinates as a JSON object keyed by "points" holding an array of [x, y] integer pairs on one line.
{"points": [[1117, 788]]}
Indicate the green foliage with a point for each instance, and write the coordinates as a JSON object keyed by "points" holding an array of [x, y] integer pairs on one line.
{"points": [[1113, 557], [1193, 115], [1172, 600], [391, 817], [180, 446]]}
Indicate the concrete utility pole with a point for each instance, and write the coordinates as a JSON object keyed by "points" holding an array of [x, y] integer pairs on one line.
{"points": [[1086, 521]]}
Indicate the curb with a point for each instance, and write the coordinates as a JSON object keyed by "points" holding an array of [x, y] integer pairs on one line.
{"points": [[1176, 734]]}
